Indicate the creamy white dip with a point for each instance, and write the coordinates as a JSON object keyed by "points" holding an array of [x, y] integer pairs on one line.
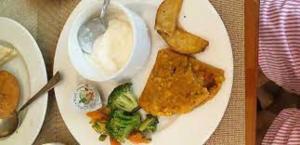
{"points": [[112, 50]]}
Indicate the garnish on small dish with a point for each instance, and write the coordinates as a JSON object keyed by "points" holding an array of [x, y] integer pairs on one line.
{"points": [[120, 120], [87, 98]]}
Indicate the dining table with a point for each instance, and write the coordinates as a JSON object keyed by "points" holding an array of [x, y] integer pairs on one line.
{"points": [[251, 67], [45, 20]]}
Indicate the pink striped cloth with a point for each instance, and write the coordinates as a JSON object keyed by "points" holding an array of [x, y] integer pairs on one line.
{"points": [[285, 129], [279, 42]]}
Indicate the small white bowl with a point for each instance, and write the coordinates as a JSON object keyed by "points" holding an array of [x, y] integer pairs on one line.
{"points": [[55, 143], [138, 57]]}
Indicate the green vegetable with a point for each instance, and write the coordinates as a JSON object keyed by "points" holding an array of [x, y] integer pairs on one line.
{"points": [[122, 123], [149, 124], [123, 98], [83, 99], [99, 127], [102, 137]]}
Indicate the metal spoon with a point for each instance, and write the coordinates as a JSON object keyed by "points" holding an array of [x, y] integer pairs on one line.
{"points": [[9, 124], [93, 28]]}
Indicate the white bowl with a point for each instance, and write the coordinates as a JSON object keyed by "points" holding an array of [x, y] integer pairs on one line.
{"points": [[55, 143], [138, 57]]}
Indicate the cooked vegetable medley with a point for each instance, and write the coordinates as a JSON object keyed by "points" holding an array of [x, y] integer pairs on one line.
{"points": [[121, 124], [121, 119], [123, 98], [149, 124]]}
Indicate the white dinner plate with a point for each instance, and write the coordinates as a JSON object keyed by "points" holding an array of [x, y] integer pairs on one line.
{"points": [[194, 128], [29, 68]]}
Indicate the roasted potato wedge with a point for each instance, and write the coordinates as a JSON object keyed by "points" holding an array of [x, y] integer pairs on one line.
{"points": [[185, 42], [166, 25], [167, 16]]}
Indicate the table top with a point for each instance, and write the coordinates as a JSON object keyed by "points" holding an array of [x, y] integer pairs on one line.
{"points": [[45, 20], [251, 47]]}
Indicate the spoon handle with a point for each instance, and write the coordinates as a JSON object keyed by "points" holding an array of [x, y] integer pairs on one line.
{"points": [[52, 82], [104, 9]]}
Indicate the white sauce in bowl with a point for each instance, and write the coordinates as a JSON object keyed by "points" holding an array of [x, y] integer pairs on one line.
{"points": [[111, 51]]}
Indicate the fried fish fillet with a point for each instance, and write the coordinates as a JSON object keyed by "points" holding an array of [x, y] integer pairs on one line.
{"points": [[178, 83], [9, 93]]}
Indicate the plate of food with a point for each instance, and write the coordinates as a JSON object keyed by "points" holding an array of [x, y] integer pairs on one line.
{"points": [[161, 73], [22, 73]]}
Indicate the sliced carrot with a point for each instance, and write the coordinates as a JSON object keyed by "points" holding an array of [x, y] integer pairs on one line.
{"points": [[114, 141], [104, 110], [138, 137], [99, 115]]}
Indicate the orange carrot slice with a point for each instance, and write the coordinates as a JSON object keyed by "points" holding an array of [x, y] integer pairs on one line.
{"points": [[114, 141], [138, 137]]}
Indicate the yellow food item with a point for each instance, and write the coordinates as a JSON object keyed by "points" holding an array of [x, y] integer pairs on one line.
{"points": [[166, 24], [9, 93], [179, 83], [185, 42], [167, 16]]}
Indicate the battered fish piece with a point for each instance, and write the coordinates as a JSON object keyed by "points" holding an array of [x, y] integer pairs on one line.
{"points": [[178, 83], [9, 93]]}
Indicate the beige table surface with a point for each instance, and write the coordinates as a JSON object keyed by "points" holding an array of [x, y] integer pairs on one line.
{"points": [[45, 20]]}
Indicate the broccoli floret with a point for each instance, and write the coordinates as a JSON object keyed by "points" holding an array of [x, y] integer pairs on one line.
{"points": [[122, 123], [102, 137], [149, 124], [122, 97], [99, 127]]}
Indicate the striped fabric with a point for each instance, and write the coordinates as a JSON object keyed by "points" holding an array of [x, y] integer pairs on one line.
{"points": [[285, 129], [279, 42]]}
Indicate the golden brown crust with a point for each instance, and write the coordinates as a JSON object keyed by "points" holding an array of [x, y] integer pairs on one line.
{"points": [[167, 16], [178, 83], [185, 42], [9, 93], [166, 24]]}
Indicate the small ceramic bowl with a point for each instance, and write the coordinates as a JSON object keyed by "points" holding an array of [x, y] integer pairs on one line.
{"points": [[55, 143], [140, 51], [80, 98]]}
